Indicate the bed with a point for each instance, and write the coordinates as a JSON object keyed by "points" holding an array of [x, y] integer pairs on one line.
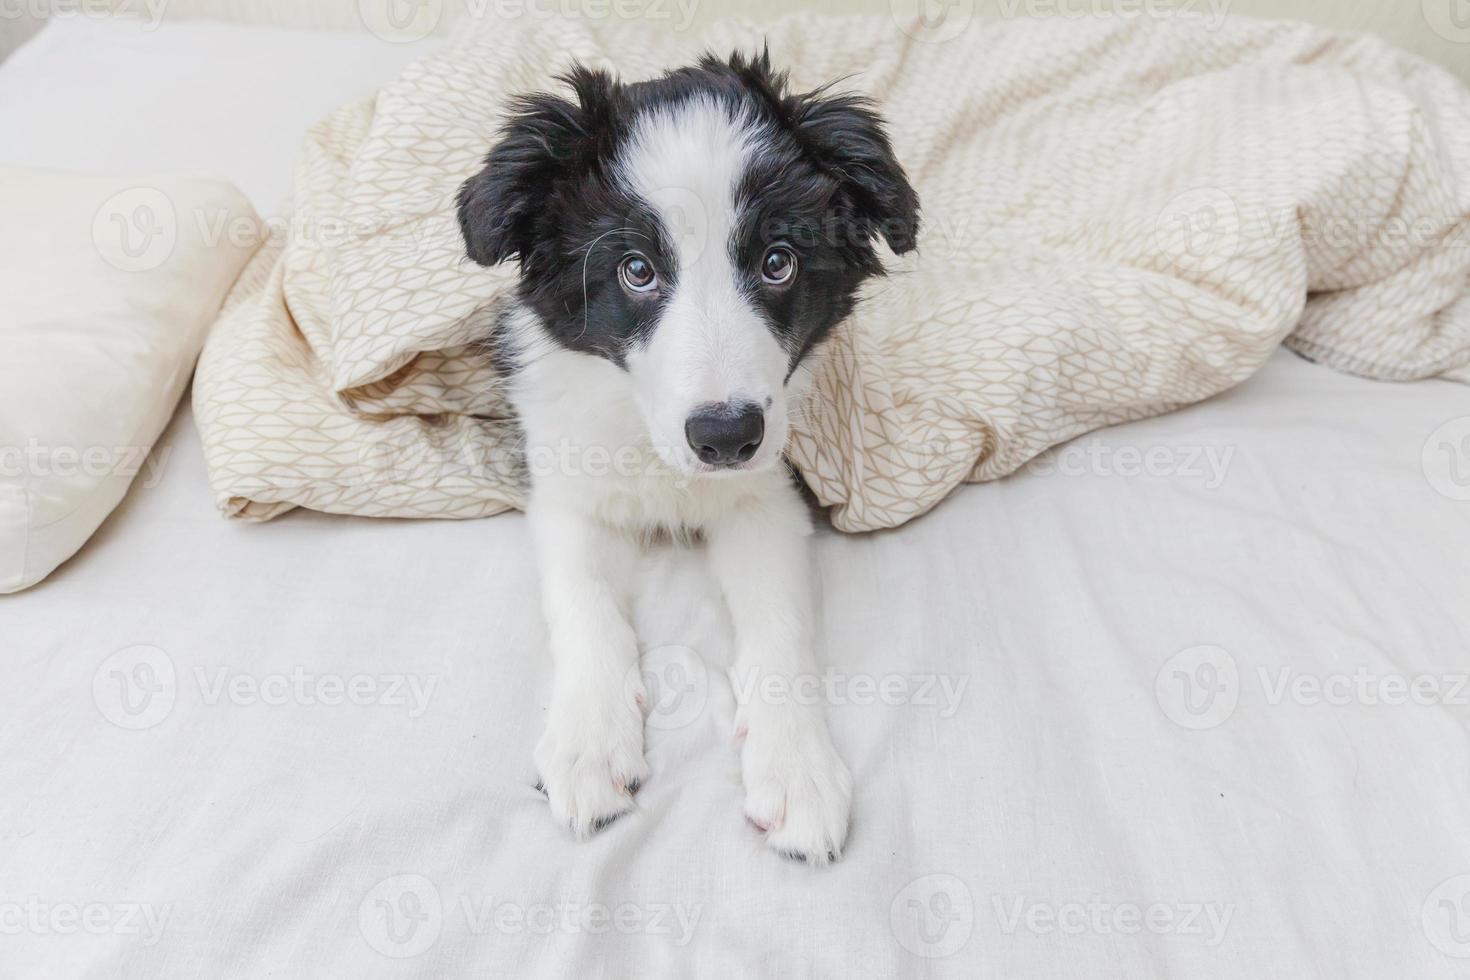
{"points": [[1186, 697]]}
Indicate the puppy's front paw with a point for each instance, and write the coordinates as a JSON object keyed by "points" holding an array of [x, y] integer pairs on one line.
{"points": [[797, 789], [590, 758]]}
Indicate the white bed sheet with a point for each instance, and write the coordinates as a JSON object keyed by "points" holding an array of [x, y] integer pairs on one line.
{"points": [[1051, 820]]}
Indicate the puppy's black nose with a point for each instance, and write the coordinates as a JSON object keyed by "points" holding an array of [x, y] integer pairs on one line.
{"points": [[723, 434]]}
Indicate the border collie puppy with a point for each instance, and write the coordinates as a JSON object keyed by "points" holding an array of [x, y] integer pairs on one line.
{"points": [[684, 244]]}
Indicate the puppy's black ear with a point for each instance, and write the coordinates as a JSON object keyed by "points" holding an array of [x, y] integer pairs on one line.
{"points": [[846, 136], [546, 139]]}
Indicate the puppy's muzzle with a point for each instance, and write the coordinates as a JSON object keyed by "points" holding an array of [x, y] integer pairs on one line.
{"points": [[725, 433]]}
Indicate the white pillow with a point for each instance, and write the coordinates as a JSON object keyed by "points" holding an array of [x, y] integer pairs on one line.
{"points": [[107, 287]]}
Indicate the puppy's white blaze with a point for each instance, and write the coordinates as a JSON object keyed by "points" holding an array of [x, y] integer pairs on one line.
{"points": [[710, 344]]}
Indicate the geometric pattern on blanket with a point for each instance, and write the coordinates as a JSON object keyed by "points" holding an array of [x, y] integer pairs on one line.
{"points": [[1121, 217]]}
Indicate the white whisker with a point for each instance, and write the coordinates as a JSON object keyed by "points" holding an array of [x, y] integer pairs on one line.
{"points": [[586, 257]]}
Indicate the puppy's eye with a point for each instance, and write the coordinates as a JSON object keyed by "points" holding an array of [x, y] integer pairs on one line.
{"points": [[779, 266], [637, 274]]}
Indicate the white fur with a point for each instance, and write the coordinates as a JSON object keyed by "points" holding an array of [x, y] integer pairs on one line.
{"points": [[588, 521], [711, 344]]}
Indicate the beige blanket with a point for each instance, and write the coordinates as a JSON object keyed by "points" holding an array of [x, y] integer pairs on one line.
{"points": [[1122, 216]]}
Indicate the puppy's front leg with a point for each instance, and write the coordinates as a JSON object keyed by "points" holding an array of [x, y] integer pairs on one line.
{"points": [[590, 757], [796, 786]]}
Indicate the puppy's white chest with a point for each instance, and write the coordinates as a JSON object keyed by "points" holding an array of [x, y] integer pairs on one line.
{"points": [[588, 446], [645, 501], [652, 499]]}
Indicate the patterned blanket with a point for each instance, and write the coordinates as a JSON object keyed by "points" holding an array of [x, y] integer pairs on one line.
{"points": [[1121, 217]]}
